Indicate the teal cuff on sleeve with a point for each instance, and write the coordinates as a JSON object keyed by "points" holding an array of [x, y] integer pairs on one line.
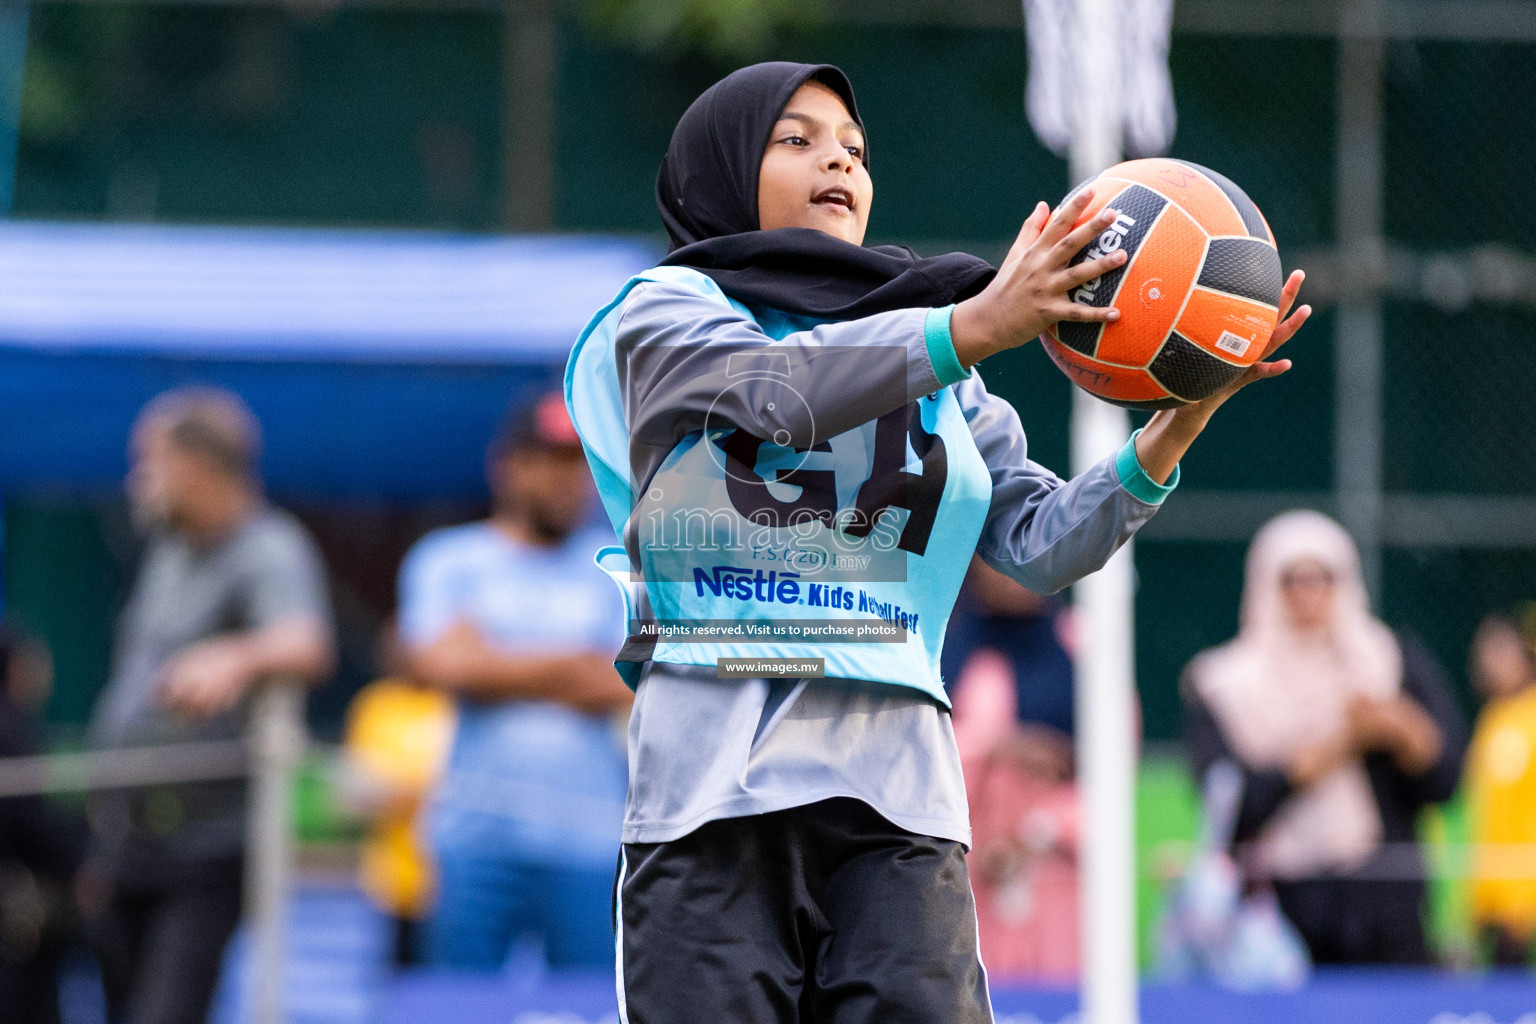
{"points": [[941, 347], [1134, 479]]}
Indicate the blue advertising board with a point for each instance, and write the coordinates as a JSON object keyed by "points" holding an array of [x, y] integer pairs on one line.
{"points": [[1333, 997]]}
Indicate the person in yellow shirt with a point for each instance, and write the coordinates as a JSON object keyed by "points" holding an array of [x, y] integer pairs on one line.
{"points": [[397, 740], [1501, 785]]}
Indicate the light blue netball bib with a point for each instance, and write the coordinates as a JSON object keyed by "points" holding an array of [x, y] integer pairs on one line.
{"points": [[852, 550]]}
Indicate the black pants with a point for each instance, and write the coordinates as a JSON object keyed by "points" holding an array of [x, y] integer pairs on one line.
{"points": [[823, 914], [405, 942], [161, 942], [38, 929], [29, 985], [1506, 948], [1358, 921]]}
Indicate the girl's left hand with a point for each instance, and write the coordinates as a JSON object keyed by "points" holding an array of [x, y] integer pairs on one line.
{"points": [[1169, 433], [1289, 323]]}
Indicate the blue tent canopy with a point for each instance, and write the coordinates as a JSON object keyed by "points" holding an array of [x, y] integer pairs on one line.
{"points": [[378, 362]]}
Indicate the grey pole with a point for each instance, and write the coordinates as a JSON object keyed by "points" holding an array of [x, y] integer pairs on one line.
{"points": [[13, 62], [277, 743], [1357, 420], [529, 57]]}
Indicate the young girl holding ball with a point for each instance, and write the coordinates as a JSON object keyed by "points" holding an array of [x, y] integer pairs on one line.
{"points": [[786, 428]]}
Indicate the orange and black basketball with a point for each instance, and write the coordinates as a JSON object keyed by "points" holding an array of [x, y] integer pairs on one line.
{"points": [[1198, 297]]}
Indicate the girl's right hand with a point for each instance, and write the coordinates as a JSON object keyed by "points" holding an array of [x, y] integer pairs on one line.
{"points": [[1033, 286]]}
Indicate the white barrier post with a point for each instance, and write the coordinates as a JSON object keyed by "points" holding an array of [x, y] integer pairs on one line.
{"points": [[1106, 748], [277, 743]]}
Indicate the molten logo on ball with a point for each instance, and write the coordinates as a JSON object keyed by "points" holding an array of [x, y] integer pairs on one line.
{"points": [[1198, 296], [1112, 238]]}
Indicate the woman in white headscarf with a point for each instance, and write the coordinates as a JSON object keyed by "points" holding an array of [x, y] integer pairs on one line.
{"points": [[1343, 734]]}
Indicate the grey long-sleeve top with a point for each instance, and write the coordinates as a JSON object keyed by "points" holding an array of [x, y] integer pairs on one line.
{"points": [[702, 748], [677, 349]]}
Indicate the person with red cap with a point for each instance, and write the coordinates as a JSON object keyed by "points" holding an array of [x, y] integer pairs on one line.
{"points": [[511, 617]]}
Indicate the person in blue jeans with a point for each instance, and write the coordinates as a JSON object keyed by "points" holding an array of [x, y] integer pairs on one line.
{"points": [[512, 617]]}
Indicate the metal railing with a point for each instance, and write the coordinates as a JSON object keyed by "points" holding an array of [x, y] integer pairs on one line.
{"points": [[275, 742]]}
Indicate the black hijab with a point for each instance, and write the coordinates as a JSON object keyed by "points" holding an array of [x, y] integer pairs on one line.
{"points": [[707, 193]]}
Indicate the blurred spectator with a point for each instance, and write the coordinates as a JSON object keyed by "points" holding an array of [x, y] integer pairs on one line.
{"points": [[512, 617], [230, 591], [1217, 924], [39, 852], [1501, 786], [1343, 734], [397, 739], [1013, 707]]}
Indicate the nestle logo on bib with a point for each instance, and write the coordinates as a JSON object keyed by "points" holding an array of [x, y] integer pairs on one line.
{"points": [[748, 584]]}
